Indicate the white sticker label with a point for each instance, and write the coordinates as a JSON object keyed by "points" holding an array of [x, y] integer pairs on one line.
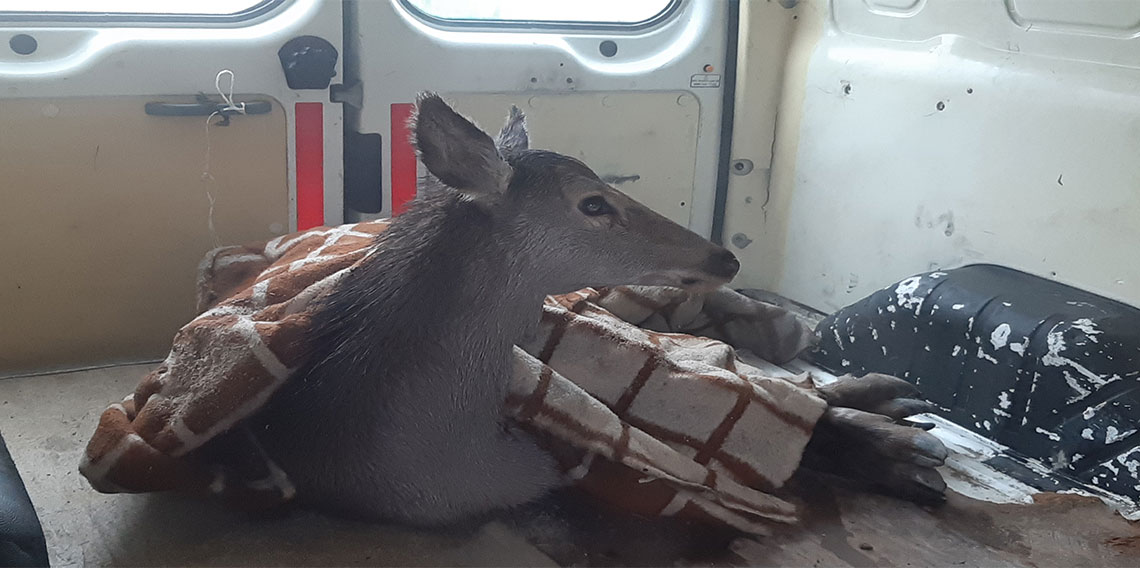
{"points": [[705, 80]]}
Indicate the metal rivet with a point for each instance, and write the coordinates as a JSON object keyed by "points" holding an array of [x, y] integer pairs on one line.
{"points": [[742, 167]]}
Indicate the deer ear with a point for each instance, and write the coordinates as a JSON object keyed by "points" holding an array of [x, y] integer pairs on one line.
{"points": [[456, 151], [513, 138]]}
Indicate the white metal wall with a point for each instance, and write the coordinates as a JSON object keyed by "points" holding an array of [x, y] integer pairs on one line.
{"points": [[922, 134]]}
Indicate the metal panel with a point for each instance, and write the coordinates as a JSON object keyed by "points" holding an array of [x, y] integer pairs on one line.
{"points": [[622, 136], [939, 134], [87, 58], [107, 213], [401, 54]]}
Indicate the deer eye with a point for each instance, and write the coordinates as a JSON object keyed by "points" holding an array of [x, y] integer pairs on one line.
{"points": [[594, 206]]}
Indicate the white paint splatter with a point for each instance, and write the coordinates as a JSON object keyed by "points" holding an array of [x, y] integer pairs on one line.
{"points": [[1111, 434], [1000, 336], [1003, 400], [986, 424], [1051, 435], [845, 363], [1087, 434], [874, 334], [1086, 325], [1111, 467], [983, 355], [957, 306], [1059, 460], [1055, 341], [892, 324], [1127, 460], [884, 350], [1091, 411], [891, 308], [905, 293], [956, 351], [1132, 465]]}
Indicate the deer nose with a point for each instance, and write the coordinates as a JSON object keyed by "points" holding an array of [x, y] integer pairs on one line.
{"points": [[722, 264]]}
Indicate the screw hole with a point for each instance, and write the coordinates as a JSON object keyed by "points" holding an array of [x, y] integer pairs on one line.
{"points": [[941, 105], [608, 48], [847, 89], [23, 44], [682, 204], [534, 79], [970, 91], [569, 80]]}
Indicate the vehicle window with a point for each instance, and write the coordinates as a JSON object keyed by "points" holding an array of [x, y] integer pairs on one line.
{"points": [[139, 7]]}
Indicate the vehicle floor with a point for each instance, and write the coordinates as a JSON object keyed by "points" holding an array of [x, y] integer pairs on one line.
{"points": [[46, 420]]}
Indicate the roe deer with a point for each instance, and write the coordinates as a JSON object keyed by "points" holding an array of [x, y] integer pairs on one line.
{"points": [[398, 414]]}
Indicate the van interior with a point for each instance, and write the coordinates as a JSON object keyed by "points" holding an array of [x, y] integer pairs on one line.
{"points": [[943, 191]]}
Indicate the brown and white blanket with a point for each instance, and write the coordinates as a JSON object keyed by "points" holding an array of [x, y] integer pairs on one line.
{"points": [[631, 387]]}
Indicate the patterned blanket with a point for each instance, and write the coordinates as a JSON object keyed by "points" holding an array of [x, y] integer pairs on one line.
{"points": [[633, 388]]}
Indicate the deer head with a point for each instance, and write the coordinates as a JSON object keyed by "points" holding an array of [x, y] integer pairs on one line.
{"points": [[572, 228]]}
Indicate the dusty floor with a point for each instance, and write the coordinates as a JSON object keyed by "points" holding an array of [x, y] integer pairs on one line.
{"points": [[46, 421]]}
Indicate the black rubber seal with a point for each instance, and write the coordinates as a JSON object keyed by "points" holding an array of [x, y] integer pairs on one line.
{"points": [[727, 117]]}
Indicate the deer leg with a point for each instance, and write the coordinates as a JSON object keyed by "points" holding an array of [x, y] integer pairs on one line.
{"points": [[864, 435]]}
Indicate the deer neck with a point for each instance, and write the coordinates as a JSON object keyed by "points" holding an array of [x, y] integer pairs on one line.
{"points": [[458, 283]]}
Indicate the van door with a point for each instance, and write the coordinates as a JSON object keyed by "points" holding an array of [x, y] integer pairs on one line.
{"points": [[133, 141], [634, 89], [119, 184]]}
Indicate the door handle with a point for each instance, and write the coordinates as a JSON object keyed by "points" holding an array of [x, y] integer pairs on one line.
{"points": [[205, 108]]}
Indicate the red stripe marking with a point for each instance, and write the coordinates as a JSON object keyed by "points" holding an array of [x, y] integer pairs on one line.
{"points": [[310, 165], [403, 158]]}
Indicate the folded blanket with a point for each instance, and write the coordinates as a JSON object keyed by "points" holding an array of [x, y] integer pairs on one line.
{"points": [[630, 387]]}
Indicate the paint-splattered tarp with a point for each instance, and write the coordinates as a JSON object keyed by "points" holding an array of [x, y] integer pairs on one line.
{"points": [[1051, 371], [665, 422]]}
